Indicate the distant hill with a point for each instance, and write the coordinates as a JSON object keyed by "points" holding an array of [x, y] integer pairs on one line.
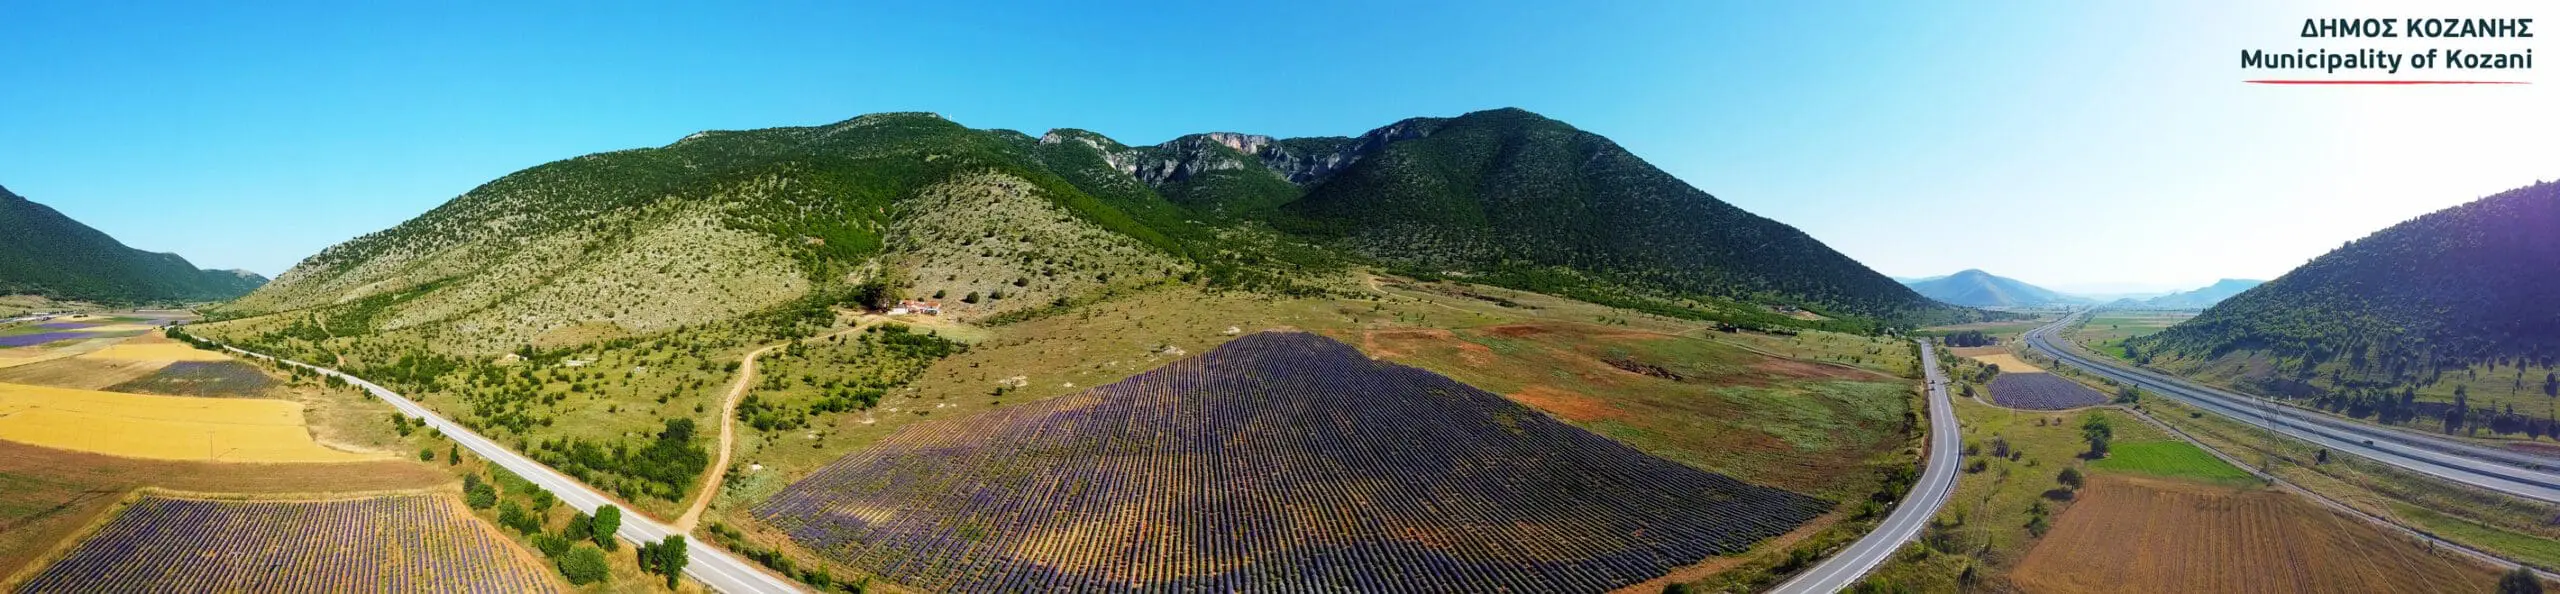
{"points": [[2465, 285], [45, 253], [1975, 288], [723, 224], [2201, 298]]}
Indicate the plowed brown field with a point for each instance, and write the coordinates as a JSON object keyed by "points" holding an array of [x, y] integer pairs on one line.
{"points": [[2139, 535]]}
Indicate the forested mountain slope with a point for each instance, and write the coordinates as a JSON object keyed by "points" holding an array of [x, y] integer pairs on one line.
{"points": [[2470, 284], [45, 253]]}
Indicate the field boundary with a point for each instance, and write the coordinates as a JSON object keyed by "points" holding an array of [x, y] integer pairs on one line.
{"points": [[69, 541]]}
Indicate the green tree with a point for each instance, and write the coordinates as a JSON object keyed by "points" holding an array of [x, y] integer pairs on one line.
{"points": [[2520, 581], [2070, 477], [426, 454], [453, 457], [671, 559], [608, 519], [585, 565], [2095, 429]]}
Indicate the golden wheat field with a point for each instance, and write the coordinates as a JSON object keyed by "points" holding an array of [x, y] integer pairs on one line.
{"points": [[156, 350], [2009, 363], [162, 427]]}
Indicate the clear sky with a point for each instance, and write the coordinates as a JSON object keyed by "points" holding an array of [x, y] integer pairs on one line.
{"points": [[2070, 144]]}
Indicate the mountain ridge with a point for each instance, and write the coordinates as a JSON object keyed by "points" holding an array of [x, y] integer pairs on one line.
{"points": [[1974, 288], [46, 253], [742, 221]]}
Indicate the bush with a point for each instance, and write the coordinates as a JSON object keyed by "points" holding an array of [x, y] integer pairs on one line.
{"points": [[477, 493], [551, 545], [426, 454], [608, 519], [514, 516], [585, 565]]}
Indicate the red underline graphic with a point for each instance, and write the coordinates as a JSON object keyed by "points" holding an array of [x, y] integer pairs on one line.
{"points": [[2385, 82]]}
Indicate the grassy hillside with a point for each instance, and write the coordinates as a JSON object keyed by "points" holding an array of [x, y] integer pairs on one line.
{"points": [[2425, 303], [46, 254]]}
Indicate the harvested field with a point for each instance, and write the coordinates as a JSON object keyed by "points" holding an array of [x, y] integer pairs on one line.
{"points": [[392, 543], [162, 427], [46, 494], [2042, 391], [2009, 363], [1278, 461], [201, 378], [2138, 535], [140, 349]]}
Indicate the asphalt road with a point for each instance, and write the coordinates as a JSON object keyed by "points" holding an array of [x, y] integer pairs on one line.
{"points": [[716, 568], [2513, 473], [1937, 481]]}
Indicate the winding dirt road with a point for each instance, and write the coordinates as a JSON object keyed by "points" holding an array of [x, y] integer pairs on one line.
{"points": [[729, 421]]}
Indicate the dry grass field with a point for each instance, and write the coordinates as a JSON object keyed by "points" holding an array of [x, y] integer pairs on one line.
{"points": [[2141, 535], [162, 427]]}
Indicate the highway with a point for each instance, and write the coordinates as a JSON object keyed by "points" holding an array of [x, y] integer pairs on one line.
{"points": [[1937, 482], [2513, 473], [714, 567]]}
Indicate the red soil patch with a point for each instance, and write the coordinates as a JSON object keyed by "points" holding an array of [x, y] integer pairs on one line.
{"points": [[2134, 535], [1565, 404], [1406, 343], [1797, 369]]}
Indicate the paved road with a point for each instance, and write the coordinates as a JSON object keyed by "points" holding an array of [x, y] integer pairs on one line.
{"points": [[2513, 473], [1937, 481], [716, 568]]}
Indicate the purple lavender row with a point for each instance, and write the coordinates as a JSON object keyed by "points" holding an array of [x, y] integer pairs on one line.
{"points": [[1276, 462]]}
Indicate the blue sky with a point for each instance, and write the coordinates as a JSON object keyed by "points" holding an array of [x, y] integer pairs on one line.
{"points": [[2071, 144]]}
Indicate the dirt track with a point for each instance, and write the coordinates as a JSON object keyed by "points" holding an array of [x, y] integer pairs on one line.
{"points": [[729, 422]]}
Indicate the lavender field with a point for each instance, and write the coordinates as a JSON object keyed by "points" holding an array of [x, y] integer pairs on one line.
{"points": [[405, 543], [2042, 391], [201, 378], [1278, 462], [36, 338]]}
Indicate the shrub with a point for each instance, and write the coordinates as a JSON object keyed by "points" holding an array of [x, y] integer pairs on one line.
{"points": [[584, 565]]}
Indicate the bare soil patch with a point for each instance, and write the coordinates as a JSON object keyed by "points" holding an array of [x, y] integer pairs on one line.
{"points": [[2009, 363], [1569, 405], [2138, 535]]}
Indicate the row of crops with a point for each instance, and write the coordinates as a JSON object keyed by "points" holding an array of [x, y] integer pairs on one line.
{"points": [[406, 543], [1278, 462], [2042, 391]]}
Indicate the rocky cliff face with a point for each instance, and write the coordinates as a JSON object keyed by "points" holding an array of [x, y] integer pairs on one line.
{"points": [[1301, 161]]}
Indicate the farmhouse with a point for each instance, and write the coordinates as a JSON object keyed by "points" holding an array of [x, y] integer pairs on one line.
{"points": [[913, 306]]}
